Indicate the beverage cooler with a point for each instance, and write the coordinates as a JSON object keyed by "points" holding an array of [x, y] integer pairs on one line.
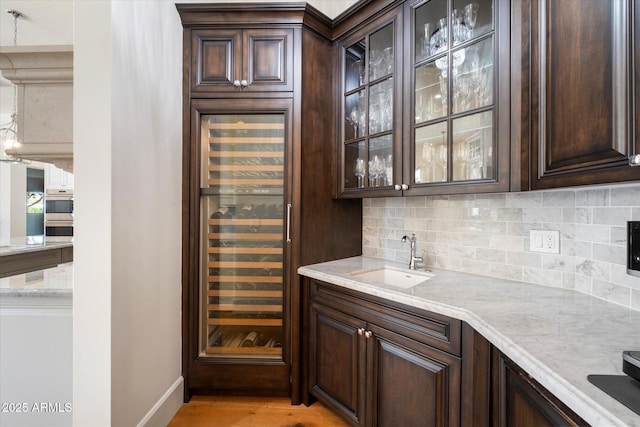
{"points": [[243, 229]]}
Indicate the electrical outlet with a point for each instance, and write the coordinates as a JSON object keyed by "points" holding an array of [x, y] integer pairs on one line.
{"points": [[544, 241]]}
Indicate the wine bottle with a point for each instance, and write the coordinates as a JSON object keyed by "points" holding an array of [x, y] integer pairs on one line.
{"points": [[245, 212], [220, 213]]}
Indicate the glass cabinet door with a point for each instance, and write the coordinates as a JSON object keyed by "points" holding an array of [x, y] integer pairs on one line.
{"points": [[369, 94], [241, 295], [453, 95]]}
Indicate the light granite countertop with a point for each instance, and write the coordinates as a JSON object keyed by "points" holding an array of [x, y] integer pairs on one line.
{"points": [[50, 282], [558, 336]]}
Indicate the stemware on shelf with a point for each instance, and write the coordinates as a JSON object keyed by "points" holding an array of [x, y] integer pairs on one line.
{"points": [[354, 119], [377, 171], [470, 15], [358, 65], [460, 158], [442, 159], [359, 170]]}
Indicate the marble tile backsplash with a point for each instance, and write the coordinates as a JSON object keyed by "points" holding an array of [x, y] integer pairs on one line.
{"points": [[488, 234]]}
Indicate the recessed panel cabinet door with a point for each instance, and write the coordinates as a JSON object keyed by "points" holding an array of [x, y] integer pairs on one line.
{"points": [[519, 401], [268, 62], [337, 351], [581, 102], [412, 384], [236, 61], [217, 56]]}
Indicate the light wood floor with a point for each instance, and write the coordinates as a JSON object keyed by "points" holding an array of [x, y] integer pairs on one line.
{"points": [[218, 411]]}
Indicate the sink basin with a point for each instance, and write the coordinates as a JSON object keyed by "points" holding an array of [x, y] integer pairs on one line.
{"points": [[394, 277]]}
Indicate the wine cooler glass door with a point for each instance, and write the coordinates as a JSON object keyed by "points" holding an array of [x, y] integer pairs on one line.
{"points": [[242, 198]]}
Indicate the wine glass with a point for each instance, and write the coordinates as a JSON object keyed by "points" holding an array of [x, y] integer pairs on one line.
{"points": [[388, 59], [428, 155], [377, 170], [457, 30], [442, 81], [442, 159], [471, 15], [354, 119], [461, 156], [359, 67], [359, 170], [426, 45]]}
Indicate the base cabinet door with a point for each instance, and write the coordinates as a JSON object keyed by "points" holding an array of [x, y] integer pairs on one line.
{"points": [[411, 384], [337, 361], [519, 401], [378, 376]]}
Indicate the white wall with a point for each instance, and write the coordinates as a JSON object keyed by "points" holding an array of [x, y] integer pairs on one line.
{"points": [[92, 124], [127, 293], [146, 208]]}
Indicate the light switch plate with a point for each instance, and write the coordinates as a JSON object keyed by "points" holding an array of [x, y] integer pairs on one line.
{"points": [[544, 241]]}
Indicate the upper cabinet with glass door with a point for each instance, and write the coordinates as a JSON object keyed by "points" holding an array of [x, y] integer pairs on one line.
{"points": [[458, 123], [371, 108]]}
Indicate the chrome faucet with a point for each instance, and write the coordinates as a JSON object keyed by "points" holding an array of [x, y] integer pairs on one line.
{"points": [[414, 259]]}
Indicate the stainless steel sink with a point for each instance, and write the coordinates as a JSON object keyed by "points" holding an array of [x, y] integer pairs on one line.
{"points": [[392, 276]]}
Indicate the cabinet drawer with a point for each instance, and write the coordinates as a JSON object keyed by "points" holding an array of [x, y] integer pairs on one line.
{"points": [[436, 330]]}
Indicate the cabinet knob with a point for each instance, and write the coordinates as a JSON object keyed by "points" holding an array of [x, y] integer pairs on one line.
{"points": [[634, 160], [397, 187], [404, 187], [244, 83], [368, 334], [360, 331], [236, 83]]}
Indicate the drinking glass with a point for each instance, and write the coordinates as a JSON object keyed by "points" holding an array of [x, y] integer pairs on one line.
{"points": [[443, 157], [354, 119], [442, 80], [428, 155], [460, 157], [428, 30], [359, 170], [457, 19], [358, 65], [471, 15], [377, 170], [388, 59]]}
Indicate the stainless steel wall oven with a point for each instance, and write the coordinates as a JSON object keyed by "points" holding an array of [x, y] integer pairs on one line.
{"points": [[58, 217]]}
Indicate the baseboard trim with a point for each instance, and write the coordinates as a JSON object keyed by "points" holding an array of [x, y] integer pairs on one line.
{"points": [[166, 407]]}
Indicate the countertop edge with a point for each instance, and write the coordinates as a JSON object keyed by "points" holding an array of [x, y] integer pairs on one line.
{"points": [[573, 397], [22, 249], [35, 293]]}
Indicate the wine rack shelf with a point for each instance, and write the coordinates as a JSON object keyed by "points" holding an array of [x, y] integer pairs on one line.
{"points": [[243, 296]]}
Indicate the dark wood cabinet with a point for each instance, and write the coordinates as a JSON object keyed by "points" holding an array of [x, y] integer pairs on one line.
{"points": [[425, 100], [579, 91], [457, 86], [369, 91], [411, 383], [380, 363], [520, 401], [337, 357], [256, 196], [242, 60]]}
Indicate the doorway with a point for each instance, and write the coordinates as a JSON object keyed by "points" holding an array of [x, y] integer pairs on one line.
{"points": [[35, 202]]}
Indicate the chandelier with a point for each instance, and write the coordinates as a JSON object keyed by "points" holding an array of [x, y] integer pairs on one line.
{"points": [[9, 130]]}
